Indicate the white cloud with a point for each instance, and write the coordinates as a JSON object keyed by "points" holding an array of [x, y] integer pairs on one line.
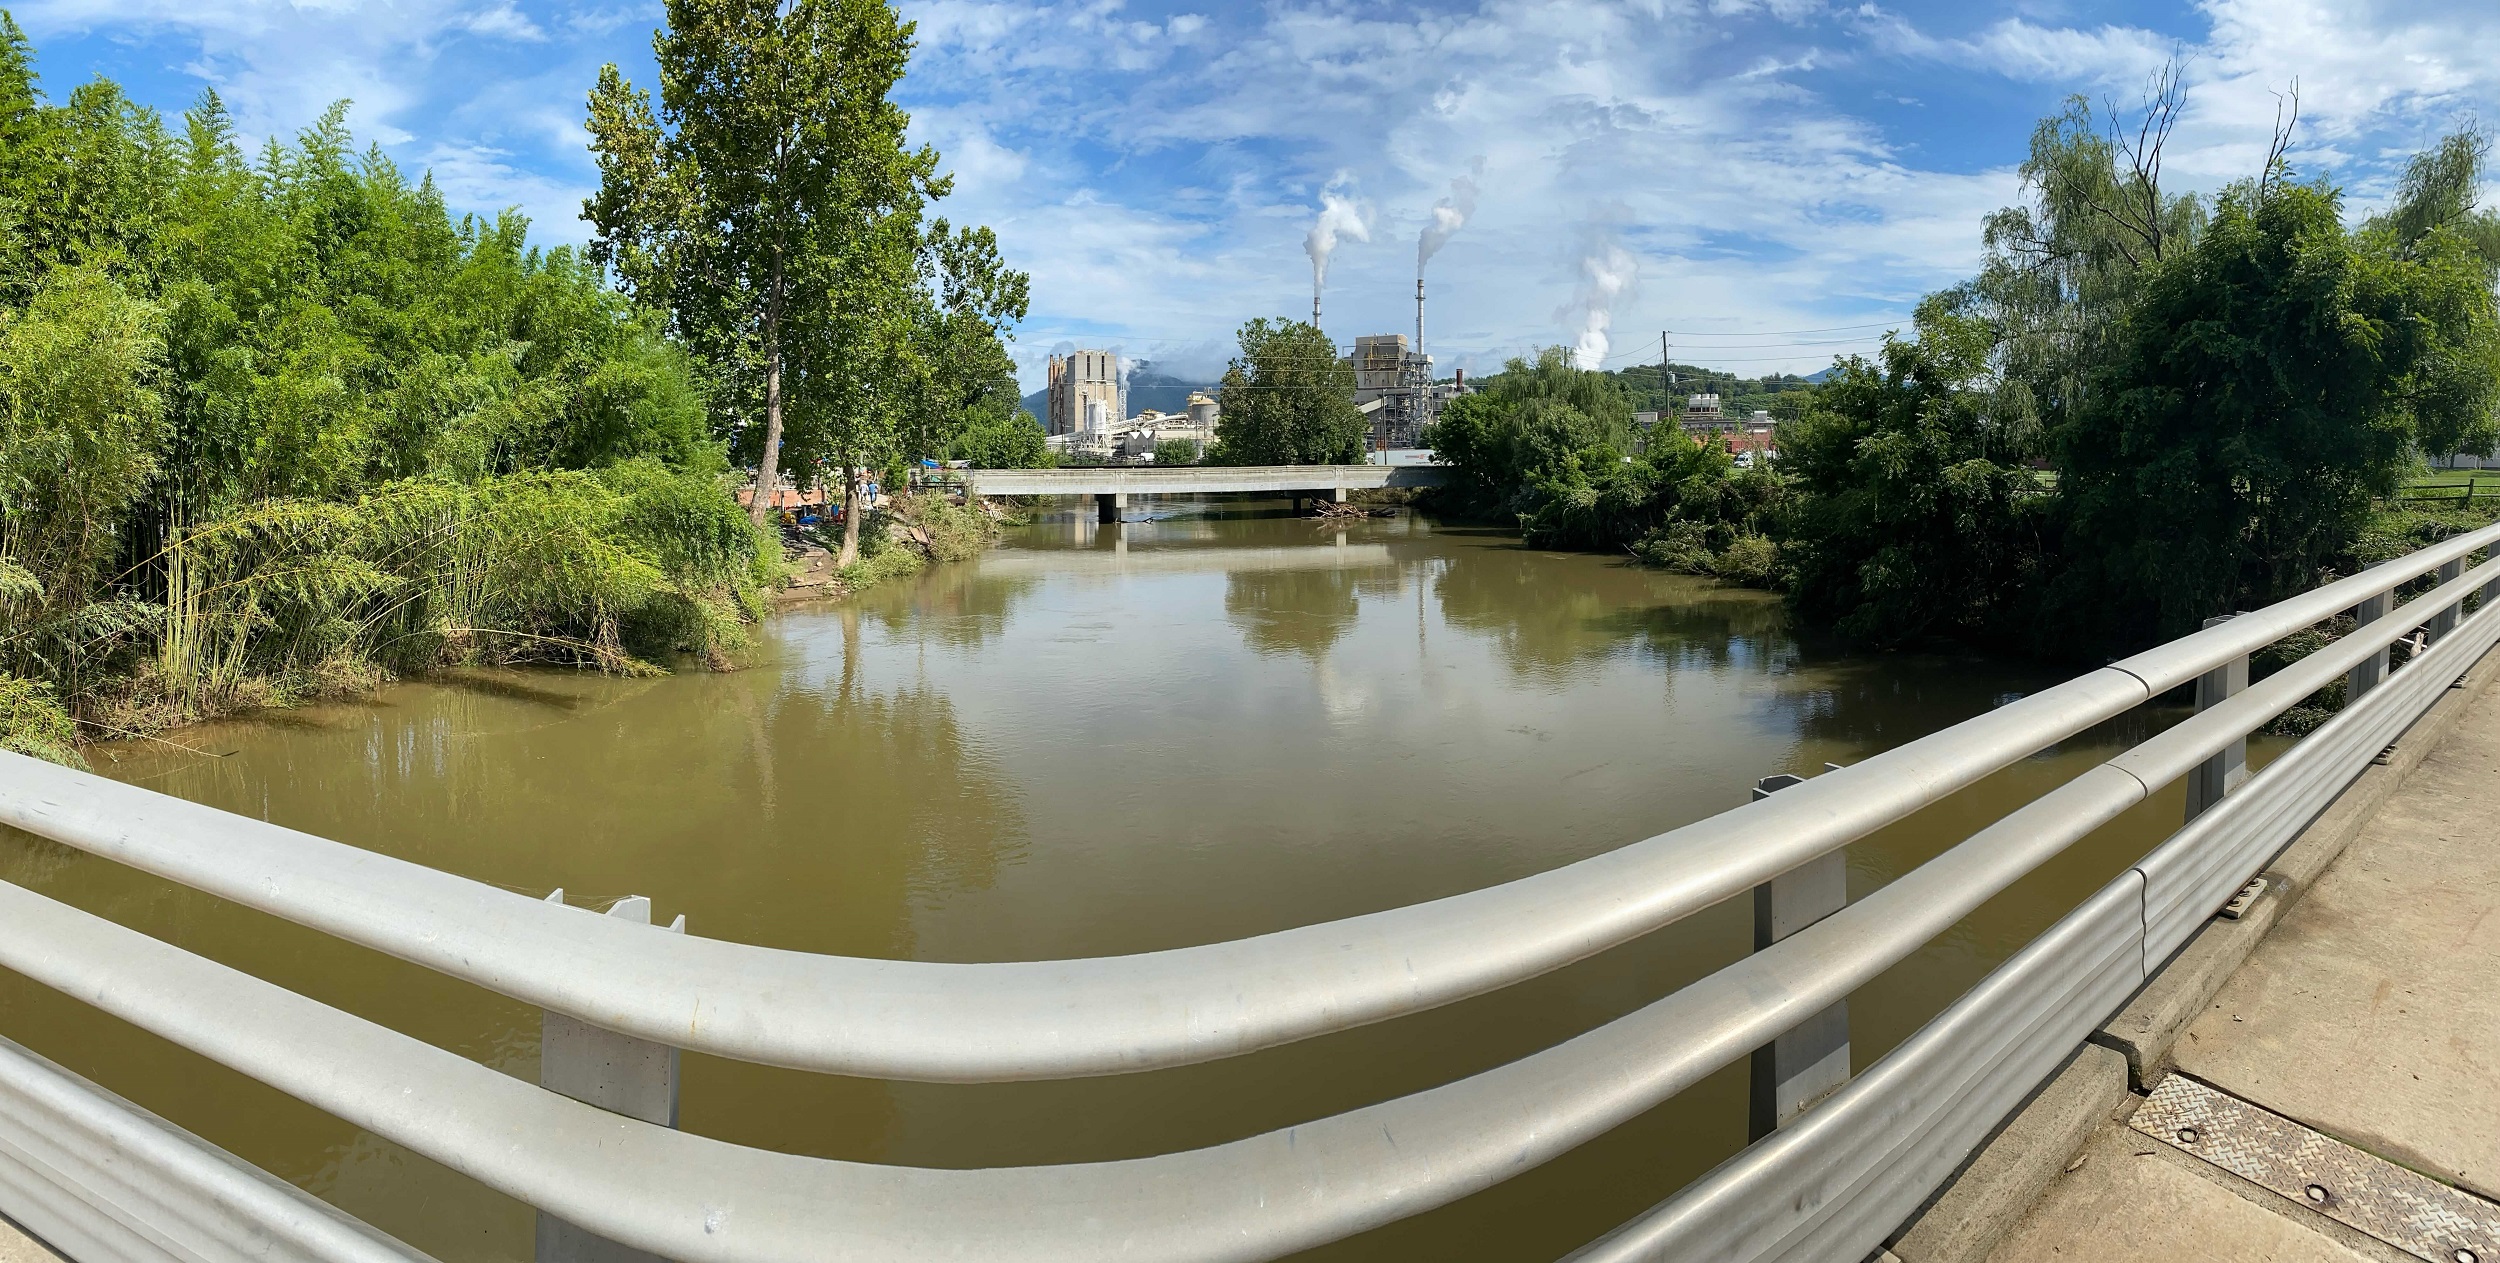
{"points": [[507, 22], [487, 92], [2017, 48], [2109, 54], [1745, 200], [1157, 171]]}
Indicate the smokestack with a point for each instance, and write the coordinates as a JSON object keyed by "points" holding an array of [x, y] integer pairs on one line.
{"points": [[1419, 315], [1314, 309]]}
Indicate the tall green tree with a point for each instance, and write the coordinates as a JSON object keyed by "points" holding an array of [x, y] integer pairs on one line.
{"points": [[1288, 399], [747, 207], [959, 362], [82, 432], [272, 422], [2438, 196], [1542, 444], [2062, 269], [1914, 518], [2272, 378]]}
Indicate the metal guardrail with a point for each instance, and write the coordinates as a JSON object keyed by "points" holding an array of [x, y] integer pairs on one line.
{"points": [[1833, 1181]]}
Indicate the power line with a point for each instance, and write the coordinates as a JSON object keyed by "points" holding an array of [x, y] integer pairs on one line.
{"points": [[1760, 346], [1752, 359], [1781, 333]]}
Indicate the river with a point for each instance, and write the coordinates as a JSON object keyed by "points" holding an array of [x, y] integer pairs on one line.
{"points": [[1212, 721]]}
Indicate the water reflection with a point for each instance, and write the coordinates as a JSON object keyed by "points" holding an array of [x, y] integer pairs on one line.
{"points": [[1291, 611]]}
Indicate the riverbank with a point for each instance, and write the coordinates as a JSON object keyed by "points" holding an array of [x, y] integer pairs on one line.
{"points": [[900, 538], [660, 622]]}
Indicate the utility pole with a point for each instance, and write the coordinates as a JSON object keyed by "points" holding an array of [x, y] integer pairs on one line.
{"points": [[1666, 375]]}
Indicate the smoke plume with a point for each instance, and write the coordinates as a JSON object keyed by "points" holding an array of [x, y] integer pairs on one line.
{"points": [[1608, 276], [1339, 216], [1448, 215]]}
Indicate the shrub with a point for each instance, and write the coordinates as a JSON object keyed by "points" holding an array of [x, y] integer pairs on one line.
{"points": [[33, 723]]}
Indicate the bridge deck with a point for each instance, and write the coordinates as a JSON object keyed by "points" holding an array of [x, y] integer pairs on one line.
{"points": [[1198, 479], [2366, 1022]]}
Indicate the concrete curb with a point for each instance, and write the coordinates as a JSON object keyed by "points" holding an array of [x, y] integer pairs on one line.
{"points": [[2150, 1025], [2009, 1173], [20, 1246], [1970, 1216]]}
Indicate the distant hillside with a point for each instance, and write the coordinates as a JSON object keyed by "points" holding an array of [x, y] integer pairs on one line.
{"points": [[1147, 388]]}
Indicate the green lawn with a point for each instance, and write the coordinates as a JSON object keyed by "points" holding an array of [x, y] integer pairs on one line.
{"points": [[2453, 484]]}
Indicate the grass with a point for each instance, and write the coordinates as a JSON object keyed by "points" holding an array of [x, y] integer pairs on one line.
{"points": [[2457, 486]]}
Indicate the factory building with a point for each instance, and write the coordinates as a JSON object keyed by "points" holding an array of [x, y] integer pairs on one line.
{"points": [[1084, 393], [1394, 388], [1134, 439]]}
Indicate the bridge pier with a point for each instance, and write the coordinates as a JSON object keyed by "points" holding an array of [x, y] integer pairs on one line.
{"points": [[1110, 505]]}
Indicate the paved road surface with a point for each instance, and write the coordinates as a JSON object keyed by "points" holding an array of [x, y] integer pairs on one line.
{"points": [[2365, 1033]]}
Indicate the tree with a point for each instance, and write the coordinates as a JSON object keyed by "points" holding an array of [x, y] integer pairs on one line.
{"points": [[998, 437], [1518, 441], [1542, 445], [1913, 518], [2438, 196], [743, 209], [2272, 378], [271, 422], [1288, 399], [961, 372], [82, 429]]}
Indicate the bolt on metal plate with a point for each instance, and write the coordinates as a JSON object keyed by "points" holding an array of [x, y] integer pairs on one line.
{"points": [[2405, 1209], [2244, 900]]}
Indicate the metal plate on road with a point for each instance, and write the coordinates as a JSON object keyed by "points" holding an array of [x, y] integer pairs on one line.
{"points": [[2403, 1208]]}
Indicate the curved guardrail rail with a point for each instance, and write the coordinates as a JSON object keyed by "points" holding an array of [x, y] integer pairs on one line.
{"points": [[1835, 1182], [1109, 1015], [1853, 1169]]}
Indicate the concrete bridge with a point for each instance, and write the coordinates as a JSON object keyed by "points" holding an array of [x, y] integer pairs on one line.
{"points": [[2270, 1038], [1111, 486]]}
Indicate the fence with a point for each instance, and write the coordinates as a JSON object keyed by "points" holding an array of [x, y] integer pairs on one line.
{"points": [[595, 1151]]}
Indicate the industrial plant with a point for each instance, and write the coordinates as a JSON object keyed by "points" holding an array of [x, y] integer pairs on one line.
{"points": [[1085, 414]]}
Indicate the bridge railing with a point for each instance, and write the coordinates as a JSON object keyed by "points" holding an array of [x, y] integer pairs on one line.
{"points": [[1836, 1180]]}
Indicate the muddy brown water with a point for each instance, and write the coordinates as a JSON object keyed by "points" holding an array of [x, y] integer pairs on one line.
{"points": [[1211, 722]]}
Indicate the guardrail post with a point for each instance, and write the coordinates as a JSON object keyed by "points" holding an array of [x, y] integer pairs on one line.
{"points": [[617, 1073], [2373, 669], [2445, 621], [2224, 772], [1811, 1060]]}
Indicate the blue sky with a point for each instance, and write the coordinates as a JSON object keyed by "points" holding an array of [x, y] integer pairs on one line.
{"points": [[1730, 170]]}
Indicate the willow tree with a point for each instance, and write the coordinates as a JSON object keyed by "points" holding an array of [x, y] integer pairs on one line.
{"points": [[775, 149]]}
